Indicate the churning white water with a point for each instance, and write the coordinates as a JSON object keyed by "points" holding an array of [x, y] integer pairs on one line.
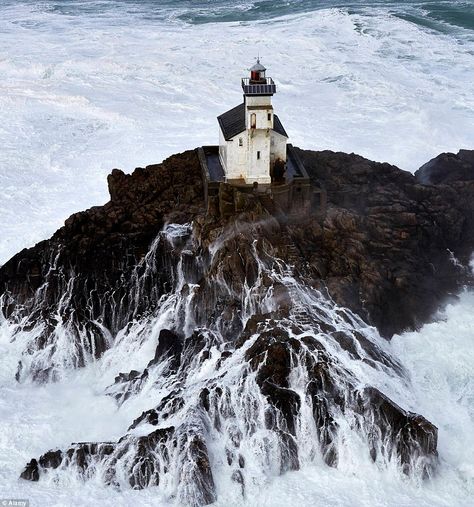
{"points": [[83, 91], [437, 382]]}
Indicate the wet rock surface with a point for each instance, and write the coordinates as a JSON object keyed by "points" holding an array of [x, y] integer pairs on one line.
{"points": [[85, 271], [448, 168], [387, 246], [264, 318]]}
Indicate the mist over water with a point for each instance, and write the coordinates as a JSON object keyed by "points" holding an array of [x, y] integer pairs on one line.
{"points": [[91, 85]]}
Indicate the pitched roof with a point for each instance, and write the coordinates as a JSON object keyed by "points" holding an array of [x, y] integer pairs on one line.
{"points": [[278, 127], [232, 122]]}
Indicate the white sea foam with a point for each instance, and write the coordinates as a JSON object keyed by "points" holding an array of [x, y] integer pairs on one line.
{"points": [[439, 361], [81, 94]]}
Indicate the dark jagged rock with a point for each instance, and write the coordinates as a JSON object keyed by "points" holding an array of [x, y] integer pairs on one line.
{"points": [[89, 258], [51, 459], [201, 472], [384, 247], [169, 405], [389, 247], [31, 471], [394, 431], [406, 426], [381, 250], [170, 345], [453, 176], [447, 168]]}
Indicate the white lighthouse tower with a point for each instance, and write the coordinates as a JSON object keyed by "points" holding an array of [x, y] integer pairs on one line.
{"points": [[252, 140]]}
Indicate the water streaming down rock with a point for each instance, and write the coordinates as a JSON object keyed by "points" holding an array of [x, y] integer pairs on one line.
{"points": [[256, 369], [266, 385]]}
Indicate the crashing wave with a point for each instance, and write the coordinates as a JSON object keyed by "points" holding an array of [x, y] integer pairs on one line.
{"points": [[255, 373]]}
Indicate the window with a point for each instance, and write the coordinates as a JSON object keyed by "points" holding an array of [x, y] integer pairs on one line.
{"points": [[241, 141], [253, 121], [258, 155], [269, 116]]}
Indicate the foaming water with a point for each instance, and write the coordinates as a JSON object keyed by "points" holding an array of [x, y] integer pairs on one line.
{"points": [[442, 15], [419, 371], [94, 85], [440, 359]]}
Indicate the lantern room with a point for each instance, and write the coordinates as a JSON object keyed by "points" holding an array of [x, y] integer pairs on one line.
{"points": [[257, 73], [258, 84]]}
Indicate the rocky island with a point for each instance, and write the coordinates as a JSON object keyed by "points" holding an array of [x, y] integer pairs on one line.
{"points": [[267, 319]]}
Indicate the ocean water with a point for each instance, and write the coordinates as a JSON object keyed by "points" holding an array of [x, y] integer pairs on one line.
{"points": [[86, 86], [438, 382]]}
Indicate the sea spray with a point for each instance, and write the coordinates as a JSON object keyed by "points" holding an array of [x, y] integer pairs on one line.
{"points": [[298, 385]]}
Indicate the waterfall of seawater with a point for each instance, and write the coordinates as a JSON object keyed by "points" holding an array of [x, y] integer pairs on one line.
{"points": [[227, 386]]}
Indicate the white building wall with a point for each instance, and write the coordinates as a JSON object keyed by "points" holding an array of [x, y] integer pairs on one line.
{"points": [[258, 100], [278, 147], [235, 165], [261, 118], [259, 122], [223, 151], [259, 168], [239, 155]]}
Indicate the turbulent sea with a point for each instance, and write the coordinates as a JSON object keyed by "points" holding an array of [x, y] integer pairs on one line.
{"points": [[86, 86]]}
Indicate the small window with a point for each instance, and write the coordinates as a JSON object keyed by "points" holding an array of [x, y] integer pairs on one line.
{"points": [[241, 141], [258, 155], [269, 116], [253, 121]]}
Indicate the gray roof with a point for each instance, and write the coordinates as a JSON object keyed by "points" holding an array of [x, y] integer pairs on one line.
{"points": [[232, 122], [258, 66], [278, 127]]}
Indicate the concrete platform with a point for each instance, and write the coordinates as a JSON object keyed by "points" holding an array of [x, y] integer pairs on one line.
{"points": [[293, 194], [215, 171]]}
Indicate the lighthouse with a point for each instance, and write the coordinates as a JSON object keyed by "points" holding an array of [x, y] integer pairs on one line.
{"points": [[252, 140]]}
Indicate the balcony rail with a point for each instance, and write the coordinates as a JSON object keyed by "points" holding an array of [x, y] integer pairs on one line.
{"points": [[266, 87]]}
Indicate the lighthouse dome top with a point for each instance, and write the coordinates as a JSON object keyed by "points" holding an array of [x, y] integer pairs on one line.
{"points": [[258, 67]]}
